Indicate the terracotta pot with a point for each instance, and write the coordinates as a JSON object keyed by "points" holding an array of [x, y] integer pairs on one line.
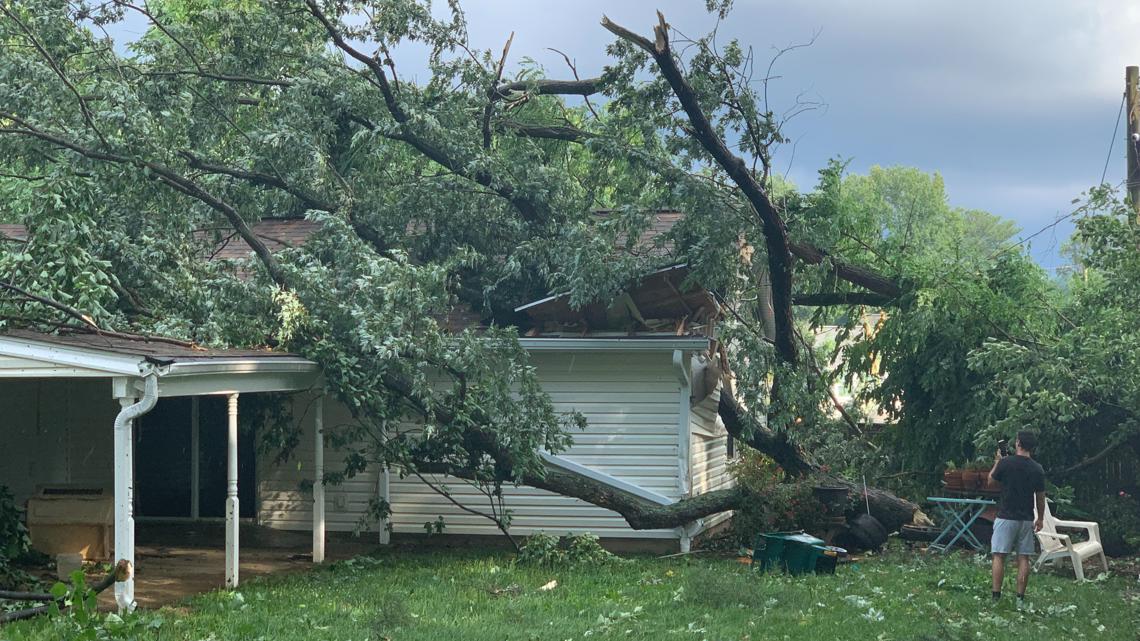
{"points": [[831, 497], [952, 479]]}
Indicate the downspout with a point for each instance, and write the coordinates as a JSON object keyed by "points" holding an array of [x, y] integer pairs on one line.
{"points": [[124, 486]]}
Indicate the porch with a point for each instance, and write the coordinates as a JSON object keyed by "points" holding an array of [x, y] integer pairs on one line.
{"points": [[73, 405]]}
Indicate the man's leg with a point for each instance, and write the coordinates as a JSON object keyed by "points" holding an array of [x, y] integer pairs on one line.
{"points": [[1022, 574], [998, 572], [1025, 549], [1001, 544]]}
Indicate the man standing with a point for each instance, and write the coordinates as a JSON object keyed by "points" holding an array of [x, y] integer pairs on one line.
{"points": [[1022, 483]]}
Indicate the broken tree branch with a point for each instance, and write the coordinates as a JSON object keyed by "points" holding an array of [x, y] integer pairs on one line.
{"points": [[489, 110], [826, 299], [586, 87], [121, 572], [775, 231]]}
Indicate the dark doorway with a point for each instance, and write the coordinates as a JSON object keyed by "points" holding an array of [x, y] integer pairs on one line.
{"points": [[213, 418], [163, 461]]}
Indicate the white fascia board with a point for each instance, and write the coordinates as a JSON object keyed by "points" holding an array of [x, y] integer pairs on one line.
{"points": [[86, 359], [209, 384], [274, 365], [602, 477], [615, 344]]}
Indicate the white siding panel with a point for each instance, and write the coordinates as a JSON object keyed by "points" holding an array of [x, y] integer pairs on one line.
{"points": [[630, 402], [709, 451], [283, 504]]}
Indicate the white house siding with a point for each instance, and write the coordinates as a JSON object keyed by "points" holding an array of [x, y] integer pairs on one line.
{"points": [[55, 431], [709, 448], [631, 401], [631, 404], [284, 505]]}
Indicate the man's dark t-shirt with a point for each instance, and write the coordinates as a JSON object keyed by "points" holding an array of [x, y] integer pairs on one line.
{"points": [[1020, 478]]}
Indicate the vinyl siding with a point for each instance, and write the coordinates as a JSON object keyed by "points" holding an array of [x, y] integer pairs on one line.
{"points": [[709, 447], [631, 404], [282, 501]]}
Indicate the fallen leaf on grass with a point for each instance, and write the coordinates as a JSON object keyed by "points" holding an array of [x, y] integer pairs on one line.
{"points": [[549, 586]]}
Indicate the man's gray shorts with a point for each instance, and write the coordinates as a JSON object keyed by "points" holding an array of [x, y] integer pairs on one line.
{"points": [[1014, 537]]}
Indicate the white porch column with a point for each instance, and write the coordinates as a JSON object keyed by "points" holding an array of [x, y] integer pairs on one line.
{"points": [[124, 505], [318, 482], [232, 511], [195, 461]]}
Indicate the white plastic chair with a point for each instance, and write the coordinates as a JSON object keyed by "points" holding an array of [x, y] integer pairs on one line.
{"points": [[1060, 546]]}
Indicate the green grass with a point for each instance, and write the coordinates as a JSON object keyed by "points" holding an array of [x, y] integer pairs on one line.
{"points": [[404, 595]]}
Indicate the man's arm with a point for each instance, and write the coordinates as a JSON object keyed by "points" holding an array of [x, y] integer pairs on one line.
{"points": [[993, 470], [1040, 522]]}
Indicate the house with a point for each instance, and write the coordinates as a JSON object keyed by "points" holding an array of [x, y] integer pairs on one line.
{"points": [[153, 425]]}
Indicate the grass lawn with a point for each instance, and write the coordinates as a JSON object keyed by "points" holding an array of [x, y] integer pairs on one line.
{"points": [[408, 595]]}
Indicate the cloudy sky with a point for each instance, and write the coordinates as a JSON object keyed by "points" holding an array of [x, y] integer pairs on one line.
{"points": [[1013, 102]]}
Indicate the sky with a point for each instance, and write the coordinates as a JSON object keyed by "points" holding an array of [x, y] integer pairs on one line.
{"points": [[1012, 102]]}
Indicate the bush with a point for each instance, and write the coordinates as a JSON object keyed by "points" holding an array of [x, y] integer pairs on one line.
{"points": [[1119, 518], [545, 550], [14, 541]]}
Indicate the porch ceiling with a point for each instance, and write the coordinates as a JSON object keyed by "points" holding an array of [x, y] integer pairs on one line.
{"points": [[181, 370]]}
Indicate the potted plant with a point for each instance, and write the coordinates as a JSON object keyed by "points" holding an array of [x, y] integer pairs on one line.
{"points": [[952, 476], [972, 477]]}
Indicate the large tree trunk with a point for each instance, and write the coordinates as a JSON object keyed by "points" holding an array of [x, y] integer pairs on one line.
{"points": [[892, 511]]}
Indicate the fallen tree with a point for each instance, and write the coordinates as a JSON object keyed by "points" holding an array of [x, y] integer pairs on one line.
{"points": [[466, 184]]}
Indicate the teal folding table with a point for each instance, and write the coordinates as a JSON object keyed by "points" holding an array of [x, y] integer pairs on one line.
{"points": [[959, 515]]}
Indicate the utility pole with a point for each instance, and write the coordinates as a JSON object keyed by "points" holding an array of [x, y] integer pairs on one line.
{"points": [[1132, 100]]}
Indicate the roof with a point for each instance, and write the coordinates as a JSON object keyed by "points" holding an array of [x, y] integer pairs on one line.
{"points": [[182, 370], [276, 233], [13, 232], [651, 242], [281, 233], [157, 350], [658, 303]]}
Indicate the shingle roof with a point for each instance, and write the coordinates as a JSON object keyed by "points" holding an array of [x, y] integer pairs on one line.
{"points": [[648, 244], [276, 233], [279, 233], [14, 232], [156, 350]]}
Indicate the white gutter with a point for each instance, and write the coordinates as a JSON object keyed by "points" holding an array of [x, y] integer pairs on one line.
{"points": [[239, 366], [71, 356], [619, 344], [606, 479], [124, 486]]}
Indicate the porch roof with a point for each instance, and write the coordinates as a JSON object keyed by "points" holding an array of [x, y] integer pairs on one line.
{"points": [[182, 370]]}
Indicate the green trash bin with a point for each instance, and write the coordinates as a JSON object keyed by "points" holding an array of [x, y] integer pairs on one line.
{"points": [[794, 552]]}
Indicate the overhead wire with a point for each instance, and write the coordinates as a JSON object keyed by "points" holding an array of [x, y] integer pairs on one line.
{"points": [[1112, 142]]}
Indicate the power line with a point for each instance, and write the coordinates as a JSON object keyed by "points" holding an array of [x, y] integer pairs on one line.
{"points": [[1112, 143]]}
